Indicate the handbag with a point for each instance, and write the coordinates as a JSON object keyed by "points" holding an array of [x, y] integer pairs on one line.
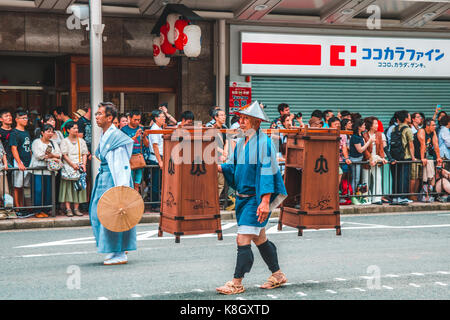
{"points": [[80, 184], [137, 161], [69, 173], [53, 164]]}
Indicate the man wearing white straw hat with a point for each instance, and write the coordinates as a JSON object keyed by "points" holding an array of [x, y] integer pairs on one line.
{"points": [[114, 152], [254, 173]]}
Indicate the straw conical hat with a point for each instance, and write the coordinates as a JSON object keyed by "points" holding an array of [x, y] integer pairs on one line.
{"points": [[253, 110], [120, 209]]}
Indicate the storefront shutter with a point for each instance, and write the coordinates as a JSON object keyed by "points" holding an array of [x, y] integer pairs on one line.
{"points": [[377, 97]]}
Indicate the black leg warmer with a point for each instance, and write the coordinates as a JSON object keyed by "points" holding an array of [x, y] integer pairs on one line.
{"points": [[244, 261], [268, 252]]}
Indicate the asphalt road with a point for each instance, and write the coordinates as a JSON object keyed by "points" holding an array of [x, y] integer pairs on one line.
{"points": [[383, 256]]}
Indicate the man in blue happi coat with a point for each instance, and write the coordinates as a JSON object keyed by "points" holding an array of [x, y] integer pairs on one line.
{"points": [[114, 152], [254, 173]]}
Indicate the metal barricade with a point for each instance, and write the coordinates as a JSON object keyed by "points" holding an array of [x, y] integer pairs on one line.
{"points": [[26, 193], [400, 179]]}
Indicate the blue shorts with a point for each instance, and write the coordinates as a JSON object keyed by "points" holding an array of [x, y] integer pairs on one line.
{"points": [[136, 175]]}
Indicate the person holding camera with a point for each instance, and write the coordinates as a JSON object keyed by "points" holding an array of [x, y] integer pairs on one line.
{"points": [[135, 131], [74, 152]]}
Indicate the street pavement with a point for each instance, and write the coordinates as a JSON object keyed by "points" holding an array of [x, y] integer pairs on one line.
{"points": [[381, 256]]}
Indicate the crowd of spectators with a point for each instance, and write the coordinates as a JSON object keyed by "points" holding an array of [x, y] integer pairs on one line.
{"points": [[397, 164], [403, 162], [32, 146]]}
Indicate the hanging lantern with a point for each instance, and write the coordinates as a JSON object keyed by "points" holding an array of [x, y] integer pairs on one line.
{"points": [[159, 57], [171, 20], [180, 36], [166, 47], [193, 46]]}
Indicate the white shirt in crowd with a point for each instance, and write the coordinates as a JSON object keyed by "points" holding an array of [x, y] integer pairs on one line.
{"points": [[38, 149], [155, 139]]}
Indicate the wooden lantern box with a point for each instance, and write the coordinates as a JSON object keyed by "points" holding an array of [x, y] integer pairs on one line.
{"points": [[189, 193], [311, 178]]}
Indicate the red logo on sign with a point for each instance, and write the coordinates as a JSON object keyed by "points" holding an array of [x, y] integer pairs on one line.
{"points": [[335, 59]]}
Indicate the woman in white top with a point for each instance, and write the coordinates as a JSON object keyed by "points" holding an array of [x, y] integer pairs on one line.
{"points": [[74, 151], [43, 150]]}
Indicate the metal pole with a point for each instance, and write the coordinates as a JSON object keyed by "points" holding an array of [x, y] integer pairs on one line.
{"points": [[53, 183], [96, 64], [222, 65]]}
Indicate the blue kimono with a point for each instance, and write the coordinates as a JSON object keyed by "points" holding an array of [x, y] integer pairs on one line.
{"points": [[254, 170], [114, 152]]}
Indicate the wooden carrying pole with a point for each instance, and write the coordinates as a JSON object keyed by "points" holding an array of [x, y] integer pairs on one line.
{"points": [[233, 131]]}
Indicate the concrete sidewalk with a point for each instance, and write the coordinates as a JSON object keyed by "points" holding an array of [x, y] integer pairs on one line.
{"points": [[153, 217]]}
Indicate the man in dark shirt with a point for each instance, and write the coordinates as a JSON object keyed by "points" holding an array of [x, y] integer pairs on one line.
{"points": [[5, 134], [283, 108], [85, 127], [135, 131], [20, 143]]}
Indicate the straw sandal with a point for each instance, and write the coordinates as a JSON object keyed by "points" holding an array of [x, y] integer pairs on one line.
{"points": [[230, 288], [274, 282]]}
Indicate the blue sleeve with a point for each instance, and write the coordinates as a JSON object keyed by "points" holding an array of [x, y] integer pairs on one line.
{"points": [[270, 180], [229, 168], [228, 172]]}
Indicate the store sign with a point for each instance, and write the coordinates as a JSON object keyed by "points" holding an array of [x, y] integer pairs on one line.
{"points": [[240, 95], [306, 55]]}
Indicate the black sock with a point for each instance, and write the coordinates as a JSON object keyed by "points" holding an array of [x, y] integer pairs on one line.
{"points": [[268, 252], [244, 261]]}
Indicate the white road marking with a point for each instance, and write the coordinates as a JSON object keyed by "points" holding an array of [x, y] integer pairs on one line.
{"points": [[102, 298], [388, 288], [359, 289], [198, 290], [417, 274], [443, 272], [273, 229], [340, 279], [366, 277], [414, 285], [392, 276], [240, 298], [441, 284], [39, 255], [301, 294], [272, 296], [146, 235], [331, 291], [228, 225], [366, 224], [312, 281], [136, 295]]}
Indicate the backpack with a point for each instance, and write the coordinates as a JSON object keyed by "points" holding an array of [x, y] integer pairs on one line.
{"points": [[397, 150]]}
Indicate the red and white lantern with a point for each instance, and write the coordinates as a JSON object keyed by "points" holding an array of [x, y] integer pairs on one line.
{"points": [[166, 47], [159, 57], [171, 20], [180, 36], [193, 46]]}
